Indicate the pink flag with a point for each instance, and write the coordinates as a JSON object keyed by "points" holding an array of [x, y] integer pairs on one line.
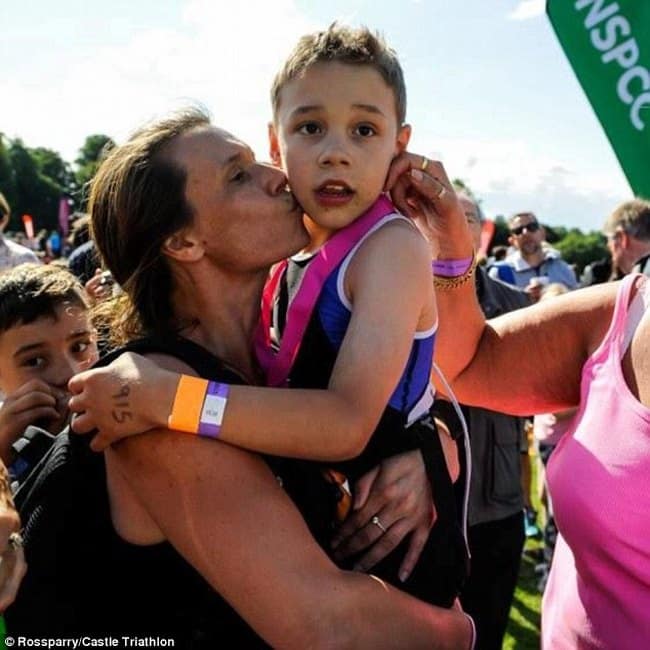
{"points": [[64, 215]]}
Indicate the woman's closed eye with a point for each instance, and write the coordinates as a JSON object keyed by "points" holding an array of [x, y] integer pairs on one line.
{"points": [[240, 176]]}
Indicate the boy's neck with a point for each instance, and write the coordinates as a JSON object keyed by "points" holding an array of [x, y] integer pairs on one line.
{"points": [[317, 235]]}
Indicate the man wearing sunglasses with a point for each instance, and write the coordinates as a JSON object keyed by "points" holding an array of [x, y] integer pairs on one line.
{"points": [[533, 264]]}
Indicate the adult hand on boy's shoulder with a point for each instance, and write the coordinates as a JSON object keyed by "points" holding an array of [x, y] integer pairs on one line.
{"points": [[35, 401]]}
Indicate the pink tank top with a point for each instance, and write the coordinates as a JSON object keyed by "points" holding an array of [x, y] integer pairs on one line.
{"points": [[598, 593]]}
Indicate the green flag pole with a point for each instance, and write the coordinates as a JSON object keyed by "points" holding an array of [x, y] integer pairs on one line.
{"points": [[608, 46]]}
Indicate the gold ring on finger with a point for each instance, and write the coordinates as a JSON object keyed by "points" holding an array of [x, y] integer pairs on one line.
{"points": [[424, 163]]}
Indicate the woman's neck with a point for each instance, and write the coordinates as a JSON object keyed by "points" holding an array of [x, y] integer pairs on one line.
{"points": [[224, 311]]}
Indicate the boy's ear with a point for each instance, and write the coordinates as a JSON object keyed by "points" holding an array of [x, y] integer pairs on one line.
{"points": [[403, 137], [183, 246], [274, 147]]}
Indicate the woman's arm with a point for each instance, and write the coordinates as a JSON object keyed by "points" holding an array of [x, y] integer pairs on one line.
{"points": [[390, 281], [526, 361], [523, 362], [224, 511]]}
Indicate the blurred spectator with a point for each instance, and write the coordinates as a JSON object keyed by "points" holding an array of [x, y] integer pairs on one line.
{"points": [[628, 238], [83, 260], [11, 254], [53, 245], [499, 253], [79, 230], [596, 272], [534, 263], [499, 449]]}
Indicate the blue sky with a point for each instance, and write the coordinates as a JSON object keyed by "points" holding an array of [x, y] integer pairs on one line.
{"points": [[490, 92]]}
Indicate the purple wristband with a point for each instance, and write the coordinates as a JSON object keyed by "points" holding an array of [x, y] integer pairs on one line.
{"points": [[214, 406], [451, 268]]}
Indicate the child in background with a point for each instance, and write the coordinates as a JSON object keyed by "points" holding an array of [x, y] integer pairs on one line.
{"points": [[45, 338], [354, 316]]}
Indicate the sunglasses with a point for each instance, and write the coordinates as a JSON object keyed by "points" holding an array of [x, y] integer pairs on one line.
{"points": [[529, 227]]}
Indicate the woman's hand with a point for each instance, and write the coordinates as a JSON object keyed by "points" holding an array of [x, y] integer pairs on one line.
{"points": [[421, 190], [129, 396], [12, 557], [100, 286], [398, 494]]}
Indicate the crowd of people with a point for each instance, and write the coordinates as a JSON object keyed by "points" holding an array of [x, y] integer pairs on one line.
{"points": [[317, 434]]}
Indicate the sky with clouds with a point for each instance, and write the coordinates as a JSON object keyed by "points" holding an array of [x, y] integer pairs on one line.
{"points": [[490, 91]]}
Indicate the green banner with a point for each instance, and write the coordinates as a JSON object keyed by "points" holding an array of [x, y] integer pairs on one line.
{"points": [[608, 45]]}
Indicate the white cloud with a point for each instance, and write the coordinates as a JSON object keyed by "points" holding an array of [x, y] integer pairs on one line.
{"points": [[527, 9], [511, 175], [223, 60]]}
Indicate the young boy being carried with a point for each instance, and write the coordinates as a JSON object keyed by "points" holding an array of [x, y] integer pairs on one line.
{"points": [[353, 318]]}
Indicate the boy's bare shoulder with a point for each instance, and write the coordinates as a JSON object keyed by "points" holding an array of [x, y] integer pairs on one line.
{"points": [[395, 240]]}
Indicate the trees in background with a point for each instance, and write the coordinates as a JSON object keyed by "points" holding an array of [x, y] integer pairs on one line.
{"points": [[35, 179]]}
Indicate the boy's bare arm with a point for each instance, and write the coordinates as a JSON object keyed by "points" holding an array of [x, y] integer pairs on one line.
{"points": [[389, 279]]}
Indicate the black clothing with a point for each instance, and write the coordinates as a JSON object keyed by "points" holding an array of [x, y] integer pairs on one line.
{"points": [[643, 265], [85, 579], [84, 261], [496, 548], [442, 567]]}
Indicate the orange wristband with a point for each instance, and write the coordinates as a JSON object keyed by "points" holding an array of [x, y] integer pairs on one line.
{"points": [[188, 404]]}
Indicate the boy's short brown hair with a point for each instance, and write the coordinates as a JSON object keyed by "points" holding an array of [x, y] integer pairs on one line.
{"points": [[31, 291], [354, 46]]}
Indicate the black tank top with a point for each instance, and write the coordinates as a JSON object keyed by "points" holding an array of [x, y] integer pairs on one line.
{"points": [[85, 579], [443, 565]]}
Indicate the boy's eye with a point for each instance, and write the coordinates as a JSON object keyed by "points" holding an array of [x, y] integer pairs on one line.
{"points": [[80, 347], [33, 362], [365, 130], [309, 128]]}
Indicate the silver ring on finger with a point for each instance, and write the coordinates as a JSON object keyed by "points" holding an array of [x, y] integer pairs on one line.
{"points": [[375, 520], [441, 193]]}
